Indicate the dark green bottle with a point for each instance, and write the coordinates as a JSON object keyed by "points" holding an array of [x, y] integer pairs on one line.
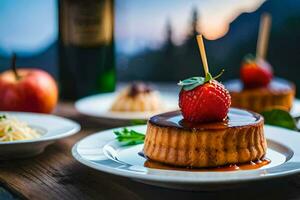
{"points": [[86, 47]]}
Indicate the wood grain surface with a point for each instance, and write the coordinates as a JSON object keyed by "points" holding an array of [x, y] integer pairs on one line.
{"points": [[56, 175]]}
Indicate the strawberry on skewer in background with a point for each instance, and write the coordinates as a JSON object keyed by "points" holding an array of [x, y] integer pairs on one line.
{"points": [[256, 71], [258, 90]]}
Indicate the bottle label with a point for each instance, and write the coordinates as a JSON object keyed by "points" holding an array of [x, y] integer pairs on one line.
{"points": [[86, 23]]}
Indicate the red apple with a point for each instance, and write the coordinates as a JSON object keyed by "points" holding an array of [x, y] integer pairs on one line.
{"points": [[28, 90]]}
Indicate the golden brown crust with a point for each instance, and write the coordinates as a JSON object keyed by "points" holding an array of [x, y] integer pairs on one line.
{"points": [[205, 148], [259, 100]]}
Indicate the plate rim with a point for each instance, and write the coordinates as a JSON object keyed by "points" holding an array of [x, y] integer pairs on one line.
{"points": [[171, 179], [75, 129]]}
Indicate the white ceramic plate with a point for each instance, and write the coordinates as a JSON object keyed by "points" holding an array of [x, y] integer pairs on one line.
{"points": [[99, 105], [295, 112], [101, 152], [50, 127]]}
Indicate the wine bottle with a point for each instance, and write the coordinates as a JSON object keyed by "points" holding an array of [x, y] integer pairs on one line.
{"points": [[86, 47]]}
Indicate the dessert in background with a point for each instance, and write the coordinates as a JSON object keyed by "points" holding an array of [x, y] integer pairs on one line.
{"points": [[205, 133], [137, 97], [261, 95], [257, 89]]}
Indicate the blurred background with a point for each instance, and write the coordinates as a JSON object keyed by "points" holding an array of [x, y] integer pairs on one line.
{"points": [[155, 40]]}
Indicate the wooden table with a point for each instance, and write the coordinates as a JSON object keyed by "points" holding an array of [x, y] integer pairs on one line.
{"points": [[56, 175]]}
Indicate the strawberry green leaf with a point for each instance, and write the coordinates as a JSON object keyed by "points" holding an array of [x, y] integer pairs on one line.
{"points": [[249, 58], [208, 77], [220, 74], [193, 82]]}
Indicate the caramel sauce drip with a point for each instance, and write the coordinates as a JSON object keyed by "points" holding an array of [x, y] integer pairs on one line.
{"points": [[233, 167]]}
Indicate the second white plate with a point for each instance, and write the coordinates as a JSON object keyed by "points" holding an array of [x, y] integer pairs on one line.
{"points": [[99, 105], [295, 112]]}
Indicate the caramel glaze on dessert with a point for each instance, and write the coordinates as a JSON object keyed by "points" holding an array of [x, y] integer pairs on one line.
{"points": [[278, 94], [239, 139], [232, 167]]}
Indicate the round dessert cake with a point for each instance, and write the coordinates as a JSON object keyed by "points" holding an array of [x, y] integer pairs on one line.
{"points": [[278, 94], [172, 140], [138, 97]]}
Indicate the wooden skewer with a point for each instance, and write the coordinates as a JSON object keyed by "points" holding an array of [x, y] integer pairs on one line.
{"points": [[202, 52], [263, 37]]}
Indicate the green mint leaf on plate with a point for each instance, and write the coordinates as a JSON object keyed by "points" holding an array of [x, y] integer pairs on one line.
{"points": [[129, 137], [138, 122], [193, 82], [277, 117]]}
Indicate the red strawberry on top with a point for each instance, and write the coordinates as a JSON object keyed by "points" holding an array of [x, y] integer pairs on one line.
{"points": [[203, 100], [255, 74]]}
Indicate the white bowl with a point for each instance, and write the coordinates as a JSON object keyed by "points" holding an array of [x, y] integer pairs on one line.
{"points": [[50, 127]]}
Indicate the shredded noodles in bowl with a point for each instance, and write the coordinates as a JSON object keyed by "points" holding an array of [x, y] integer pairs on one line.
{"points": [[11, 129]]}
